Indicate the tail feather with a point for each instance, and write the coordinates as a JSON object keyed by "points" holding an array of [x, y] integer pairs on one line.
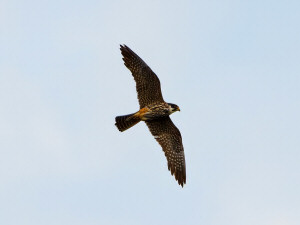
{"points": [[125, 122]]}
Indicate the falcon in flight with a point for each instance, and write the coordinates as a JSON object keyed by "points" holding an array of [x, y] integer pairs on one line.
{"points": [[155, 112]]}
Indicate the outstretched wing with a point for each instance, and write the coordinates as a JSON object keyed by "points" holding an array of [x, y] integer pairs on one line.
{"points": [[147, 83], [169, 137]]}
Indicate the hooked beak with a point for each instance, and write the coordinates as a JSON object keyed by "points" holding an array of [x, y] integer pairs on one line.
{"points": [[178, 109]]}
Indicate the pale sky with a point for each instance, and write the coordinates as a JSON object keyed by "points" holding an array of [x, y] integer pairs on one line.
{"points": [[232, 67]]}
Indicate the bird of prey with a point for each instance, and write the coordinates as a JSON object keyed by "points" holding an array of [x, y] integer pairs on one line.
{"points": [[155, 112]]}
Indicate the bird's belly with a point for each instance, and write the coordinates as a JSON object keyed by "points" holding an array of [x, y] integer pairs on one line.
{"points": [[154, 115], [153, 112]]}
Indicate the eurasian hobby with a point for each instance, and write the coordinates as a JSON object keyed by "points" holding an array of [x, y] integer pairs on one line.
{"points": [[155, 112]]}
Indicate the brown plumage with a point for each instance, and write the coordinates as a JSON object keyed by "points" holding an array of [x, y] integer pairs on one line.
{"points": [[155, 112], [147, 83], [125, 122]]}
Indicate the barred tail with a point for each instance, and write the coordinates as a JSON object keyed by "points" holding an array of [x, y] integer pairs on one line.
{"points": [[125, 122]]}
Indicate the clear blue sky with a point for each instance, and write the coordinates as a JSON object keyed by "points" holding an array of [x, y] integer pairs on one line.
{"points": [[232, 67]]}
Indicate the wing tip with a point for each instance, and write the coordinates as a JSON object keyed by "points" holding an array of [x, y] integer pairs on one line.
{"points": [[122, 46], [127, 53], [181, 180], [180, 175], [125, 48]]}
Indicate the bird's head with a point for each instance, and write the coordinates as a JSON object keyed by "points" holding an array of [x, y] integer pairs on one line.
{"points": [[173, 107]]}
